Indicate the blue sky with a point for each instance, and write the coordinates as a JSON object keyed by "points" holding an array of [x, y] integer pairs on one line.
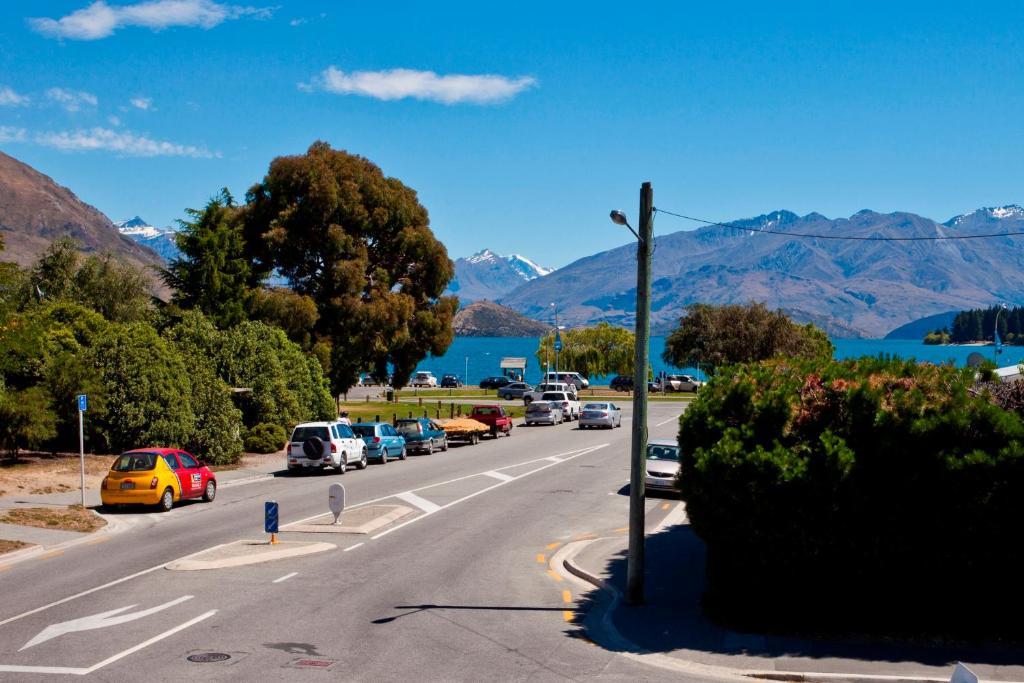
{"points": [[521, 125]]}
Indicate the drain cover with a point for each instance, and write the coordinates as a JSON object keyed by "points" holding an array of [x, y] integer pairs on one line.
{"points": [[208, 657]]}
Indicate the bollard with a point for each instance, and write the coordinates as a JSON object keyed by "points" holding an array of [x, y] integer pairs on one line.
{"points": [[451, 410], [394, 419], [410, 414], [426, 415], [359, 419], [376, 418], [336, 500], [367, 398], [421, 400]]}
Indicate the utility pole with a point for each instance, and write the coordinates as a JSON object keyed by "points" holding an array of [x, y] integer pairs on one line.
{"points": [[638, 452]]}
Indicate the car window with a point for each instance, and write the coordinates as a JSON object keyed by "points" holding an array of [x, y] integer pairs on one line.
{"points": [[365, 430], [614, 407], [539, 407], [187, 460], [135, 462], [304, 433], [663, 453], [485, 411], [171, 461], [553, 396], [409, 427], [345, 432], [596, 406]]}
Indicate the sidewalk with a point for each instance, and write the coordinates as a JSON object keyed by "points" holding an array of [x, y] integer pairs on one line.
{"points": [[671, 623]]}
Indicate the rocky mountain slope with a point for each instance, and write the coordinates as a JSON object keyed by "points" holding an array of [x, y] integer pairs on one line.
{"points": [[160, 240], [488, 319], [849, 287], [487, 275], [35, 211]]}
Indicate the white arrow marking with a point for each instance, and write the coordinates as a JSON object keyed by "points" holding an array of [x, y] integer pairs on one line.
{"points": [[101, 620]]}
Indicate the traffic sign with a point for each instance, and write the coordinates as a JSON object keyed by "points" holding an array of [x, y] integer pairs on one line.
{"points": [[270, 516], [558, 341], [82, 404]]}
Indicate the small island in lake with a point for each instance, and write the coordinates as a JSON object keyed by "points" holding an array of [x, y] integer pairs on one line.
{"points": [[488, 319]]}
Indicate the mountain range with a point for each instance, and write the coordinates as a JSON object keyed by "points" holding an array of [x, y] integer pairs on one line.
{"points": [[487, 275], [160, 240], [852, 287]]}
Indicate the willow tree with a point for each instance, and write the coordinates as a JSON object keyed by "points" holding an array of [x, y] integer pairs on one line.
{"points": [[359, 244], [591, 351]]}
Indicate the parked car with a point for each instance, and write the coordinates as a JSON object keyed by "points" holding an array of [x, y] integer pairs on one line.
{"points": [[568, 402], [496, 382], [494, 417], [423, 378], [383, 441], [683, 383], [514, 390], [600, 415], [157, 476], [317, 445], [575, 378], [662, 464], [544, 412], [541, 389], [450, 382], [422, 435], [621, 383]]}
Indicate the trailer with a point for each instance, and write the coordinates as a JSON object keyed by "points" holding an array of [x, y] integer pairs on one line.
{"points": [[463, 430]]}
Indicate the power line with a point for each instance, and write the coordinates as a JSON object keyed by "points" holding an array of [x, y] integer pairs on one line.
{"points": [[936, 238]]}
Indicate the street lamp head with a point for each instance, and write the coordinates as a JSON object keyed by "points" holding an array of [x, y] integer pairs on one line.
{"points": [[619, 218]]}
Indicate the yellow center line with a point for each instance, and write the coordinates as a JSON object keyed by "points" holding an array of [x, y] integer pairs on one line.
{"points": [[566, 597], [583, 537], [568, 615], [622, 529], [540, 558], [98, 539], [554, 575], [552, 546], [5, 567], [55, 553]]}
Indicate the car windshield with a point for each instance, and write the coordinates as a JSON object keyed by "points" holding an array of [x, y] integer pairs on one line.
{"points": [[412, 427], [304, 433], [538, 407], [485, 411], [363, 430], [596, 406], [659, 452], [135, 462]]}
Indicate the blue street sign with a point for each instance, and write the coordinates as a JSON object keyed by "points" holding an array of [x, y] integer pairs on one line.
{"points": [[270, 517], [558, 341], [81, 403]]}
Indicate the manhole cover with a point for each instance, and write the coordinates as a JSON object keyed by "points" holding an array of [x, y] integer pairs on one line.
{"points": [[208, 657]]}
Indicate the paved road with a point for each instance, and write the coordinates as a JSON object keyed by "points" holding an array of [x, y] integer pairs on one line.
{"points": [[458, 591]]}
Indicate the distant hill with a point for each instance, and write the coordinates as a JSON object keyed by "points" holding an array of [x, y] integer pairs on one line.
{"points": [[35, 211], [487, 275], [851, 288], [917, 329], [488, 319]]}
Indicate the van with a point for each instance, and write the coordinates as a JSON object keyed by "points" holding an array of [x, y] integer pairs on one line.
{"points": [[574, 378]]}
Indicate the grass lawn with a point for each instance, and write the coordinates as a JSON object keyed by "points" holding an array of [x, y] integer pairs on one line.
{"points": [[71, 518]]}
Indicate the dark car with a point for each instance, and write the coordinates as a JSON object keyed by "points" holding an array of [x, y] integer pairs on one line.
{"points": [[496, 382], [422, 435], [621, 383], [451, 381]]}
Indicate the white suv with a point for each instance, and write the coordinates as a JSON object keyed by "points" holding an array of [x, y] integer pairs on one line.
{"points": [[316, 445], [567, 402], [424, 378]]}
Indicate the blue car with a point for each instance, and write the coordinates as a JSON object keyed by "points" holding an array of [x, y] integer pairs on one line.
{"points": [[422, 434], [381, 439]]}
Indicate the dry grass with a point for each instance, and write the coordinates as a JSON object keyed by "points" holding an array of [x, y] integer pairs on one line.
{"points": [[71, 518], [10, 546], [44, 473]]}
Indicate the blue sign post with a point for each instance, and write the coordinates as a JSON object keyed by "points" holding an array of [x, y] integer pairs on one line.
{"points": [[82, 405], [270, 511]]}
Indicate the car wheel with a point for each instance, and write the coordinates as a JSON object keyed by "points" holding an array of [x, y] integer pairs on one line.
{"points": [[210, 492], [362, 462], [444, 444], [403, 455], [430, 447], [474, 439], [384, 457], [527, 400], [166, 500], [343, 465]]}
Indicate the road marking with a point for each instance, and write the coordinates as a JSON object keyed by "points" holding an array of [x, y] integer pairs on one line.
{"points": [[98, 540], [421, 503], [285, 577], [540, 558], [101, 620], [552, 546], [568, 615], [621, 529], [566, 597], [665, 506], [47, 556], [554, 575], [554, 458], [501, 476], [351, 547], [671, 419]]}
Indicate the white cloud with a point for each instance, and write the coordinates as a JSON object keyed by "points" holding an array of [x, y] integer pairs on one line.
{"points": [[297, 22], [396, 84], [9, 98], [122, 142], [12, 134], [114, 121], [100, 20], [72, 100], [143, 103]]}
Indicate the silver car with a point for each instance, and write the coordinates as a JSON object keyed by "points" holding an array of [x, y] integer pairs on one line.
{"points": [[600, 415], [662, 464], [544, 413]]}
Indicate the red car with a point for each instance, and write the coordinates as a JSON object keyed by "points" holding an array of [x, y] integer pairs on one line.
{"points": [[494, 417], [157, 476]]}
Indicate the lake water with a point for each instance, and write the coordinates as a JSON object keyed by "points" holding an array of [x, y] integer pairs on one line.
{"points": [[483, 354]]}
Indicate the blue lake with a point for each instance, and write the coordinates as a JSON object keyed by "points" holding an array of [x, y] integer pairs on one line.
{"points": [[483, 354]]}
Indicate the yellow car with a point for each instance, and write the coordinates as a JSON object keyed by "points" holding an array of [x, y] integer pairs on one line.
{"points": [[157, 476]]}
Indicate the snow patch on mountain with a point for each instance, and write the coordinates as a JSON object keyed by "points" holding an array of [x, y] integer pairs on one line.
{"points": [[160, 240], [1010, 211]]}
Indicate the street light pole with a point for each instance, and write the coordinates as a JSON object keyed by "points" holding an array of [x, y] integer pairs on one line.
{"points": [[995, 334]]}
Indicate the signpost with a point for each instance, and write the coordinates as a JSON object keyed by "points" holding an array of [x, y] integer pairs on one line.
{"points": [[82, 406], [336, 500], [270, 514]]}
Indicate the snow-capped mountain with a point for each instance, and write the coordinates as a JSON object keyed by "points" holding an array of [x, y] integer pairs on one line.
{"points": [[488, 275], [160, 240], [988, 214]]}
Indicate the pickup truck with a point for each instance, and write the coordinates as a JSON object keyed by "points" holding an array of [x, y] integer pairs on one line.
{"points": [[494, 417]]}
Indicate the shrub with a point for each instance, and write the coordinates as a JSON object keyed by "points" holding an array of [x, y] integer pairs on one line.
{"points": [[265, 437], [856, 494]]}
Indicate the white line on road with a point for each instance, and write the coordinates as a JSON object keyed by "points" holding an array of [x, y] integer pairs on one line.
{"points": [[554, 459], [351, 547], [422, 503], [285, 577], [671, 419], [500, 476]]}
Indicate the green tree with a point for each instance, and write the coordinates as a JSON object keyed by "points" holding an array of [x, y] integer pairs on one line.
{"points": [[592, 351], [213, 273], [53, 274], [27, 419], [709, 337], [292, 312], [359, 245]]}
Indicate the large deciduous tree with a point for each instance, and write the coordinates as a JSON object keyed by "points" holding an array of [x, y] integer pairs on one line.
{"points": [[359, 245], [712, 336], [603, 349]]}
